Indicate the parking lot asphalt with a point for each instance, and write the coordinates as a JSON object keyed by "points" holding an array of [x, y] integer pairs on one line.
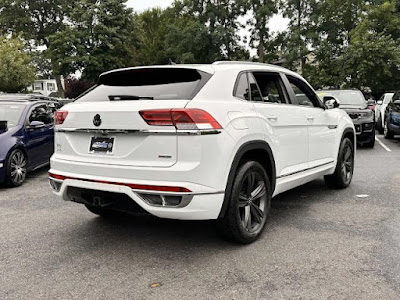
{"points": [[318, 244]]}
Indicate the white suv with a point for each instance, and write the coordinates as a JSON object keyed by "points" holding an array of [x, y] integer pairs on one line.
{"points": [[197, 142]]}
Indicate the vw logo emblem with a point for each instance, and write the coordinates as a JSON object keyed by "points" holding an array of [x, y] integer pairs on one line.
{"points": [[97, 120]]}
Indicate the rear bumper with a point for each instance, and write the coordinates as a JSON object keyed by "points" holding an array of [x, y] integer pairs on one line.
{"points": [[199, 203]]}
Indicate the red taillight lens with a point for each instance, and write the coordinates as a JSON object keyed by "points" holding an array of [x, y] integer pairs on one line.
{"points": [[190, 118], [157, 117], [59, 117]]}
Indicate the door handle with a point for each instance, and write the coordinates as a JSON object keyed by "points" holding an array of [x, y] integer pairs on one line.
{"points": [[310, 118], [272, 118]]}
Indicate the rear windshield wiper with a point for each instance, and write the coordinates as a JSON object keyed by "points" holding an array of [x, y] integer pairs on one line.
{"points": [[128, 97]]}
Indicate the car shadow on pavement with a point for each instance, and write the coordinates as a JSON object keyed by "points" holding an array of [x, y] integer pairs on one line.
{"points": [[31, 177], [154, 232]]}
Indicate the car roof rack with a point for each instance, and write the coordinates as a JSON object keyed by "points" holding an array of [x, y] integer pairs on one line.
{"points": [[26, 97]]}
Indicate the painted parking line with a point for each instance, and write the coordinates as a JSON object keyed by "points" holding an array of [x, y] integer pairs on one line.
{"points": [[383, 145]]}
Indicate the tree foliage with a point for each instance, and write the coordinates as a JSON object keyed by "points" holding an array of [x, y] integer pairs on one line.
{"points": [[36, 21], [333, 43], [16, 73], [99, 37]]}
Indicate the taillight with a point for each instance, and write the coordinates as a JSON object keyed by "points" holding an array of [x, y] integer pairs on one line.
{"points": [[60, 116], [190, 118], [157, 117]]}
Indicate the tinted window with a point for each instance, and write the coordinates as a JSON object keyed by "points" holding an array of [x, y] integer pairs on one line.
{"points": [[11, 113], [396, 96], [150, 83], [42, 113], [242, 88], [270, 87], [304, 94]]}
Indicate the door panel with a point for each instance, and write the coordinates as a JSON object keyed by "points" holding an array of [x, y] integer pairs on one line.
{"points": [[321, 123], [40, 141], [322, 127], [285, 123]]}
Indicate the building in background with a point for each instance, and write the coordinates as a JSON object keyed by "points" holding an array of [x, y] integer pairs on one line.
{"points": [[44, 87]]}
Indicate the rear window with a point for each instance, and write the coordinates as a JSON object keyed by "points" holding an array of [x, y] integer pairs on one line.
{"points": [[11, 113], [148, 84]]}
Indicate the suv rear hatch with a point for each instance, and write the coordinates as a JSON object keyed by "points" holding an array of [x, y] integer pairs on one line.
{"points": [[104, 125]]}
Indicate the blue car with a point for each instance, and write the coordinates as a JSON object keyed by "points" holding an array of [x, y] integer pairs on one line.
{"points": [[26, 136], [392, 117]]}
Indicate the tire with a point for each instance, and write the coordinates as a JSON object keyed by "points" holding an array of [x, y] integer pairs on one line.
{"points": [[16, 168], [371, 143], [101, 211], [343, 174], [379, 125], [249, 206], [386, 131]]}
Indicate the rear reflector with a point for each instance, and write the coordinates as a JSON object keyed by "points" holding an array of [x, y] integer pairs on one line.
{"points": [[190, 118], [174, 189], [60, 116]]}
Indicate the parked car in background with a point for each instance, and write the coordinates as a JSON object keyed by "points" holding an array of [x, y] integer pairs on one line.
{"points": [[392, 117], [380, 109], [26, 136], [33, 96], [354, 103], [198, 143]]}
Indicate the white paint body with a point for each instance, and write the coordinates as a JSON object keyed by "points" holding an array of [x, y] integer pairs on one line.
{"points": [[303, 146], [380, 108]]}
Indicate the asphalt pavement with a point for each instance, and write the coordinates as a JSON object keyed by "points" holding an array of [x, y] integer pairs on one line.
{"points": [[318, 244]]}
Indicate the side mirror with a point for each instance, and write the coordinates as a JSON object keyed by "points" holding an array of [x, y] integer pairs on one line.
{"points": [[36, 125], [379, 102], [331, 102]]}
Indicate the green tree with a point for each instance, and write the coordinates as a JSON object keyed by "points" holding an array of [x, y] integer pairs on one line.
{"points": [[16, 73], [298, 39], [262, 11], [373, 56], [166, 36], [36, 21], [100, 36], [221, 19]]}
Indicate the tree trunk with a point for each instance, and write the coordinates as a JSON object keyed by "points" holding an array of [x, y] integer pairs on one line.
{"points": [[261, 51], [60, 88]]}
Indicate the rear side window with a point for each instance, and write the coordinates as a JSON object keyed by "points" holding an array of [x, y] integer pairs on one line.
{"points": [[242, 87], [148, 84]]}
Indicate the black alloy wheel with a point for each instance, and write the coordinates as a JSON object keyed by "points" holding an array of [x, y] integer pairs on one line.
{"points": [[343, 174], [249, 205]]}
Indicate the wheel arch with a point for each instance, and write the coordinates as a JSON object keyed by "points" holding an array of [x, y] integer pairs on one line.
{"points": [[255, 150], [349, 133]]}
